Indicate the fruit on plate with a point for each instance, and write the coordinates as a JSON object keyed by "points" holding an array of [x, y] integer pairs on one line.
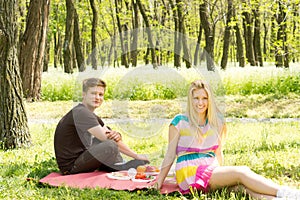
{"points": [[140, 175], [150, 168], [141, 169]]}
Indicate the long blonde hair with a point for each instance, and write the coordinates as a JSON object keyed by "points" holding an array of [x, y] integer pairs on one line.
{"points": [[213, 114]]}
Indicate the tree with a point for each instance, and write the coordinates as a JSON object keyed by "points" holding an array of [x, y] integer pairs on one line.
{"points": [[94, 28], [209, 35], [14, 130], [148, 31], [32, 48], [68, 44], [227, 34]]}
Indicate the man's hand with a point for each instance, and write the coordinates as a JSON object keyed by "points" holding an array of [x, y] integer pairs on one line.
{"points": [[142, 157], [113, 135]]}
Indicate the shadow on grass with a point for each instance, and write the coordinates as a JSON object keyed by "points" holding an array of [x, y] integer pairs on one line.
{"points": [[42, 169]]}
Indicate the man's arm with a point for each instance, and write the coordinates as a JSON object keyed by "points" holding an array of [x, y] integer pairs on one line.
{"points": [[99, 132]]}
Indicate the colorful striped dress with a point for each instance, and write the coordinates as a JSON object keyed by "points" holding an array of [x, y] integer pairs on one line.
{"points": [[195, 159]]}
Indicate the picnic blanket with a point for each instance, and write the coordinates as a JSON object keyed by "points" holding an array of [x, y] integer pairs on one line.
{"points": [[99, 179]]}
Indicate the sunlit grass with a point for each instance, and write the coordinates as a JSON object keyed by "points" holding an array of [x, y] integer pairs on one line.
{"points": [[145, 83], [271, 149]]}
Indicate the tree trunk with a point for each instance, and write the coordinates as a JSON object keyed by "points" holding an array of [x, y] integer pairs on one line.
{"points": [[149, 33], [32, 48], [46, 56], [94, 33], [134, 44], [183, 38], [68, 44], [226, 39], [256, 40], [14, 130], [123, 55], [196, 54], [177, 44], [239, 46], [281, 56], [77, 44], [209, 36], [247, 24]]}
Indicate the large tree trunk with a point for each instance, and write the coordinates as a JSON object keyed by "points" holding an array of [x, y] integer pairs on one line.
{"points": [[149, 33], [68, 44], [226, 39], [94, 32], [32, 48], [14, 130], [209, 36]]}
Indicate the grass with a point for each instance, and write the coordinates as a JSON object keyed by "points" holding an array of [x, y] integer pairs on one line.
{"points": [[271, 149]]}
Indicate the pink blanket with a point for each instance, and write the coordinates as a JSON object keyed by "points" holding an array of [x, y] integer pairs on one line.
{"points": [[99, 179]]}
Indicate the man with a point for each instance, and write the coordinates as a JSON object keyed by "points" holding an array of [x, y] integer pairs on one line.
{"points": [[82, 142]]}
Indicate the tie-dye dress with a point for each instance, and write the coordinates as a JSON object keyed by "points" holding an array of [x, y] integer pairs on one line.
{"points": [[195, 159]]}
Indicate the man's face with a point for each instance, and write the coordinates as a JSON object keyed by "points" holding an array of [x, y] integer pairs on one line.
{"points": [[93, 98]]}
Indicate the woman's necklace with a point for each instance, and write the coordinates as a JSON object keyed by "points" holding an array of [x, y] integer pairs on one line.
{"points": [[202, 126]]}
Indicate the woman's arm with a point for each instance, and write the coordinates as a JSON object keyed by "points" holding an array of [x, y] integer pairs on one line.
{"points": [[170, 155], [219, 151]]}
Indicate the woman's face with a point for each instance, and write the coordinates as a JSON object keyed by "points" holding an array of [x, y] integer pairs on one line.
{"points": [[200, 101]]}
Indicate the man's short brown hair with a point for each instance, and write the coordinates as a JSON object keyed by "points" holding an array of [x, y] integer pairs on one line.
{"points": [[92, 82]]}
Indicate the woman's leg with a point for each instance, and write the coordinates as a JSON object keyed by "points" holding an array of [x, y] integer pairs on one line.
{"points": [[232, 175], [241, 188]]}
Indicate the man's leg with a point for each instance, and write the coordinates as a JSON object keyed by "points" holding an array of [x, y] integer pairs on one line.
{"points": [[105, 153]]}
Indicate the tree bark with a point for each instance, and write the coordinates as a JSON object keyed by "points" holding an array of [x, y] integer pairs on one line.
{"points": [[226, 39], [94, 32], [209, 36], [68, 44], [14, 130], [32, 48]]}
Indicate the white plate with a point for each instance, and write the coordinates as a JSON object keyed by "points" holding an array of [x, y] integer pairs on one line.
{"points": [[151, 173], [113, 175], [143, 180]]}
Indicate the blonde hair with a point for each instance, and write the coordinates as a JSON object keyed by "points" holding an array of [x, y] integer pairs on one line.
{"points": [[213, 114]]}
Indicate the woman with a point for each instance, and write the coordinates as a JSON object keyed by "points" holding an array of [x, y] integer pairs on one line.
{"points": [[196, 138]]}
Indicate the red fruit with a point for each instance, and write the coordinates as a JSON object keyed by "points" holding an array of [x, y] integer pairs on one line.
{"points": [[150, 169]]}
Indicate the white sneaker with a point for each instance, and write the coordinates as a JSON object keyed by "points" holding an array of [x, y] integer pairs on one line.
{"points": [[288, 193]]}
